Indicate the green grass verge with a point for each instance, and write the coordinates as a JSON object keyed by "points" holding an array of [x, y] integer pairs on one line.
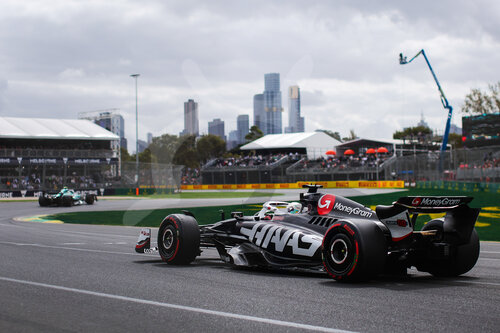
{"points": [[488, 224], [150, 217]]}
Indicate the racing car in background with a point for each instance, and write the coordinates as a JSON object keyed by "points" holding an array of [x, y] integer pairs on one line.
{"points": [[66, 197], [331, 233]]}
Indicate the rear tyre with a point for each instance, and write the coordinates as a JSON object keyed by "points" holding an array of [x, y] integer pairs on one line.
{"points": [[89, 199], [353, 252], [179, 239], [460, 261]]}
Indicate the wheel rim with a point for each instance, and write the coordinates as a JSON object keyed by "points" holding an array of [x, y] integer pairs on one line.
{"points": [[168, 239], [339, 251]]}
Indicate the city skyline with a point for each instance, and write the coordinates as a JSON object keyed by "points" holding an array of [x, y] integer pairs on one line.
{"points": [[343, 56]]}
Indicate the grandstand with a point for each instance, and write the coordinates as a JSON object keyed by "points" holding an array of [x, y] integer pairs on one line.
{"points": [[281, 159], [47, 154]]}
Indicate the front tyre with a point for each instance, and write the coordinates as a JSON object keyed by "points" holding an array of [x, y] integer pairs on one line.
{"points": [[353, 251], [43, 201], [179, 239]]}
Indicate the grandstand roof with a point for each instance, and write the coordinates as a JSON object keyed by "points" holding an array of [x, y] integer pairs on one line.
{"points": [[316, 143], [44, 128]]}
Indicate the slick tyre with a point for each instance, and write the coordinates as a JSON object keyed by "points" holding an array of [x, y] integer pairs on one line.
{"points": [[354, 252], [461, 259], [43, 201], [179, 239], [89, 199]]}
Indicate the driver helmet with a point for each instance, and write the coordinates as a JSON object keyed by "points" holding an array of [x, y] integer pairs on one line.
{"points": [[294, 207]]}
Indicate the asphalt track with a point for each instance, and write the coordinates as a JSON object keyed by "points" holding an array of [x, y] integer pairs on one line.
{"points": [[63, 277]]}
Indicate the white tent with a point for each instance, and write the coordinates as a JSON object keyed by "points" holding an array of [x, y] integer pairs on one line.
{"points": [[44, 128], [315, 143]]}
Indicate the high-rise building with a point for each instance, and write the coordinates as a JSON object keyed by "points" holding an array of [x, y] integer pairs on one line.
{"points": [[191, 123], [242, 126], [150, 138], [295, 121], [142, 145], [111, 120], [258, 111], [272, 104], [216, 127], [232, 140]]}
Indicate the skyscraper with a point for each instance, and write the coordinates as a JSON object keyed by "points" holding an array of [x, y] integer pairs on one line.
{"points": [[232, 140], [295, 121], [258, 111], [111, 120], [242, 125], [272, 104], [216, 127], [191, 123]]}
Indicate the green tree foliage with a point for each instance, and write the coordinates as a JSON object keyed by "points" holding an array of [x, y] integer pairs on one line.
{"points": [[164, 147], [254, 134], [351, 136], [417, 133], [478, 102], [335, 135], [147, 157], [125, 156], [186, 153], [210, 146], [455, 140]]}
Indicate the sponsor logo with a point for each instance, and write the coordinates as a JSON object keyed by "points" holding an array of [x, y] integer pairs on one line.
{"points": [[43, 160], [435, 202], [401, 223], [265, 235], [352, 210], [325, 204], [416, 201], [4, 195]]}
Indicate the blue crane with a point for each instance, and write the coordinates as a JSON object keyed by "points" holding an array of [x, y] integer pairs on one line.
{"points": [[444, 101]]}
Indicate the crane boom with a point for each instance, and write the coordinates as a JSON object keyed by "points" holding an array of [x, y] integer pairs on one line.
{"points": [[444, 101]]}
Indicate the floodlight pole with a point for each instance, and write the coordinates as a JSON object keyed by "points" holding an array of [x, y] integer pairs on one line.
{"points": [[135, 76]]}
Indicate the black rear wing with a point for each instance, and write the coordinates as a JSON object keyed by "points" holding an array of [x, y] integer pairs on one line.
{"points": [[433, 204]]}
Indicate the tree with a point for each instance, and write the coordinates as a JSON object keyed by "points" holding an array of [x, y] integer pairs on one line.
{"points": [[254, 134], [164, 147], [335, 135], [210, 146], [478, 102], [351, 136], [147, 157], [417, 133], [125, 156], [455, 140], [186, 153]]}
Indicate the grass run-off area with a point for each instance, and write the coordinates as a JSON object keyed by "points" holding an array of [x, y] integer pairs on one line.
{"points": [[487, 225]]}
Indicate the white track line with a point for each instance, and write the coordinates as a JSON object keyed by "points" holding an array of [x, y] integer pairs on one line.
{"points": [[181, 307], [77, 249]]}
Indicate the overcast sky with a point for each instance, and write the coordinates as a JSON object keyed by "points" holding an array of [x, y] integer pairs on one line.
{"points": [[62, 57]]}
